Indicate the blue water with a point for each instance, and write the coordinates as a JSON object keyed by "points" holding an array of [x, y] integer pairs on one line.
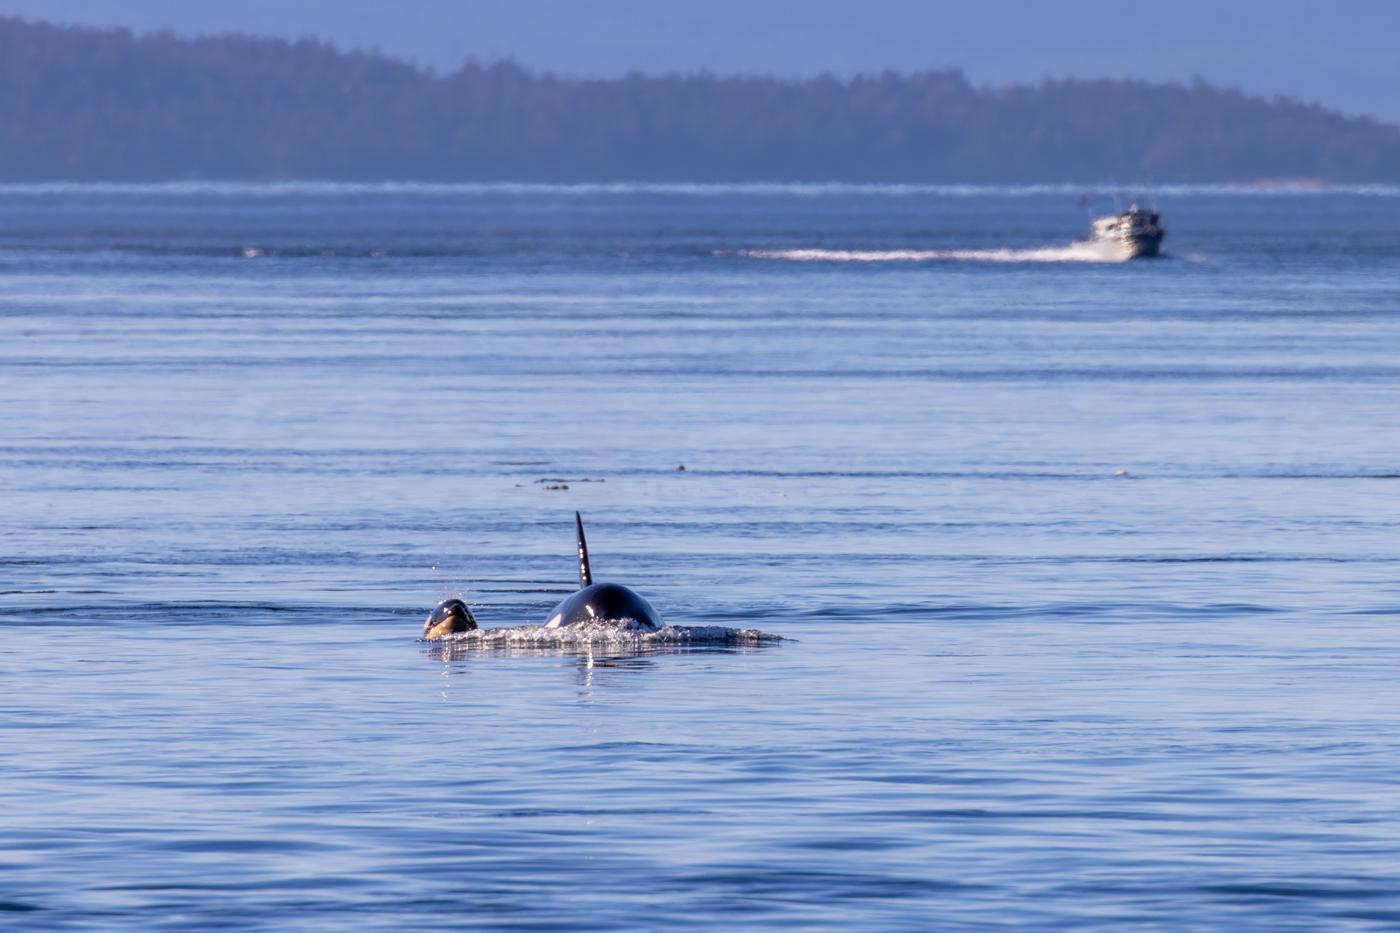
{"points": [[1089, 572]]}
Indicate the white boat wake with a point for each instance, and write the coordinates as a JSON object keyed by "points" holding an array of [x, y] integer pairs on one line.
{"points": [[1083, 251]]}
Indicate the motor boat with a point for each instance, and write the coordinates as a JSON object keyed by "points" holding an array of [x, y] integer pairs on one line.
{"points": [[1137, 230]]}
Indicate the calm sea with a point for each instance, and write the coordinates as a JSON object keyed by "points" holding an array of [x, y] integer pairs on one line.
{"points": [[1090, 571]]}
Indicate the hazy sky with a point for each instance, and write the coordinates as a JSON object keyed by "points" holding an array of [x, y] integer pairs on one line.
{"points": [[1341, 52]]}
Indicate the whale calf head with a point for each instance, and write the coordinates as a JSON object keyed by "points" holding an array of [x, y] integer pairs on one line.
{"points": [[451, 616]]}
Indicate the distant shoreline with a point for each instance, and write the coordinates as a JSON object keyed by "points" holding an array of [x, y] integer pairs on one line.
{"points": [[93, 105]]}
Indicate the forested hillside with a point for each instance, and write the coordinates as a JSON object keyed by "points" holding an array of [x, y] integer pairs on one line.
{"points": [[88, 104]]}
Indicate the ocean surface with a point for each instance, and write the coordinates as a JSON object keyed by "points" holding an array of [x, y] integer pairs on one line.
{"points": [[1087, 572]]}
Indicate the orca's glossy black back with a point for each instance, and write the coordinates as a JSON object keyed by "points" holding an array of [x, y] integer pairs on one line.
{"points": [[603, 602]]}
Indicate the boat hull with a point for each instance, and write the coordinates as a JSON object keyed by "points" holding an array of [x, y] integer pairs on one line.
{"points": [[1143, 245]]}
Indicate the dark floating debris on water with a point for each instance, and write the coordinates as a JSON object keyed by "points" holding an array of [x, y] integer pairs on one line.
{"points": [[681, 467]]}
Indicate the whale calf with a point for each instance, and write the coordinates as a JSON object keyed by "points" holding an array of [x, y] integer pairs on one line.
{"points": [[599, 602], [451, 616]]}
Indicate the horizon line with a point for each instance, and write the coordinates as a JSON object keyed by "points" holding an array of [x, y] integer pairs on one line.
{"points": [[1262, 187]]}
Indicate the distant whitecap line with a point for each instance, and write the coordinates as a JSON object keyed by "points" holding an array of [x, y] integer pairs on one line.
{"points": [[1075, 252], [795, 189]]}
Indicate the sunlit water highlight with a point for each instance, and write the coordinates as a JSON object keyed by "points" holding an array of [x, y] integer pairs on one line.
{"points": [[1086, 573]]}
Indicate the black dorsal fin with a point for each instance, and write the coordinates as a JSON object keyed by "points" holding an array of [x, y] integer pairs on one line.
{"points": [[585, 575]]}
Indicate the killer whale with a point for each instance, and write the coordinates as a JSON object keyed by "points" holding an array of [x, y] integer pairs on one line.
{"points": [[599, 602], [593, 603], [452, 616]]}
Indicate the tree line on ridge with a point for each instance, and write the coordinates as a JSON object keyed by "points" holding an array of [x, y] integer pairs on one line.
{"points": [[83, 104]]}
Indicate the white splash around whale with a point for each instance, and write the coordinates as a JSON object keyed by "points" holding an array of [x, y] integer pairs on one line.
{"points": [[625, 634]]}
